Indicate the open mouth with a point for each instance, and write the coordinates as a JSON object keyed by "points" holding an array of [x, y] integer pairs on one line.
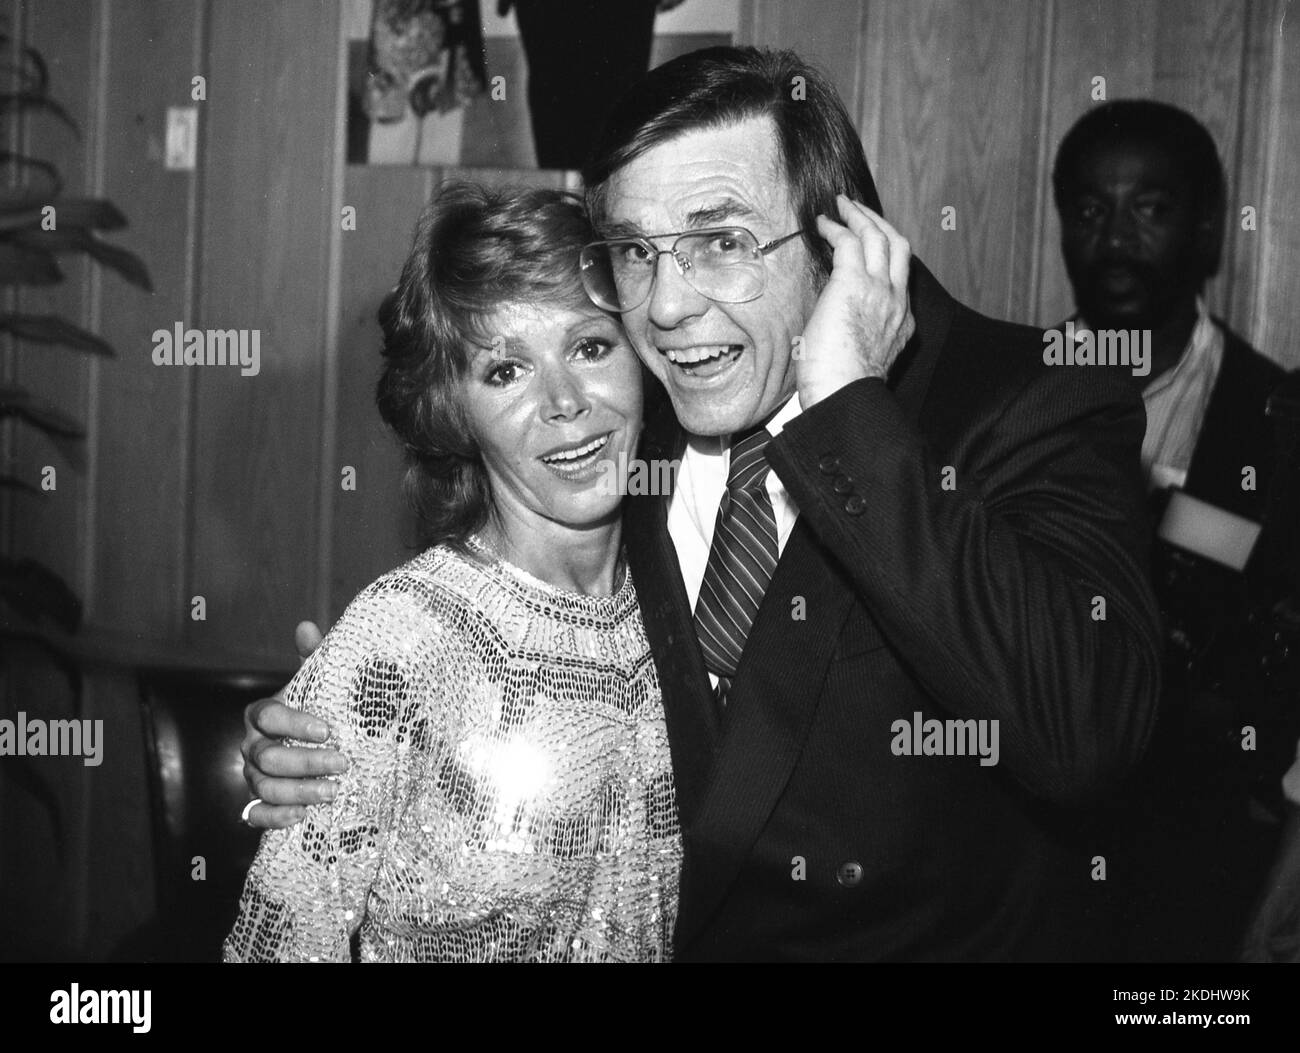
{"points": [[572, 460], [703, 360]]}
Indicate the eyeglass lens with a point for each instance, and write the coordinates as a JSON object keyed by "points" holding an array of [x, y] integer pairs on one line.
{"points": [[723, 265]]}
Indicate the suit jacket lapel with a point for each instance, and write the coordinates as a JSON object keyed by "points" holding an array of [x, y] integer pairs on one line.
{"points": [[666, 611], [773, 700]]}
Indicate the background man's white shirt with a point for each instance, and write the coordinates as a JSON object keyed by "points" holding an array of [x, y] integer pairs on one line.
{"points": [[1176, 402]]}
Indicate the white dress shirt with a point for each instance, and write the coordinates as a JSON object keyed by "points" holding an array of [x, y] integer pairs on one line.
{"points": [[701, 482], [1176, 402]]}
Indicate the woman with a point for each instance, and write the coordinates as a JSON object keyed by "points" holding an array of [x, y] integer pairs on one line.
{"points": [[510, 796]]}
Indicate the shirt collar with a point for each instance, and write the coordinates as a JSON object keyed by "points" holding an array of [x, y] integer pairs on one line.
{"points": [[714, 444], [1194, 357]]}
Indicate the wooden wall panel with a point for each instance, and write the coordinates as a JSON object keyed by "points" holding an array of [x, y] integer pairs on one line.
{"points": [[270, 149], [144, 422], [1275, 320], [957, 112], [1248, 171], [828, 33], [371, 525]]}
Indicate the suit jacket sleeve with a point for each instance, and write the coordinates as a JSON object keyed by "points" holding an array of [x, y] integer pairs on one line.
{"points": [[1020, 593]]}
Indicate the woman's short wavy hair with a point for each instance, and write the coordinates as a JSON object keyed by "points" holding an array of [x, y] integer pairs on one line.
{"points": [[476, 249]]}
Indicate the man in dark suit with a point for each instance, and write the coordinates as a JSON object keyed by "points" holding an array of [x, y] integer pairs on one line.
{"points": [[897, 599], [1141, 194]]}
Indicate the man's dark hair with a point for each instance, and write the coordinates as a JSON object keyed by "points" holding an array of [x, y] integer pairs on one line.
{"points": [[476, 249], [721, 86], [1146, 122]]}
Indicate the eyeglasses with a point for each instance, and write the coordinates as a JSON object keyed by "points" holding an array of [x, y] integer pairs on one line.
{"points": [[723, 263]]}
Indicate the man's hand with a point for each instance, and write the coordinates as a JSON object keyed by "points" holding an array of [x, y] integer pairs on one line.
{"points": [[862, 318], [286, 778]]}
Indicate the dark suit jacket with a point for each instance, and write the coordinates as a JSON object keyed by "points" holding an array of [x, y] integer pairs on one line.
{"points": [[1197, 857], [975, 603], [1235, 432]]}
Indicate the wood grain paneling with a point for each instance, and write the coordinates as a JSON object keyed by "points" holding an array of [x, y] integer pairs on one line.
{"points": [[1275, 319], [144, 422], [827, 33], [267, 202], [371, 526], [957, 111], [1247, 170]]}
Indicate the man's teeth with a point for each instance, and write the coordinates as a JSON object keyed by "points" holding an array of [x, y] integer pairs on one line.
{"points": [[690, 356], [577, 451]]}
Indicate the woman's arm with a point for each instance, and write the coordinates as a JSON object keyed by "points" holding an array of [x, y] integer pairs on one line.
{"points": [[369, 681]]}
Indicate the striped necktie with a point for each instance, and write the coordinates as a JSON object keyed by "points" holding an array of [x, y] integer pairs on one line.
{"points": [[741, 561]]}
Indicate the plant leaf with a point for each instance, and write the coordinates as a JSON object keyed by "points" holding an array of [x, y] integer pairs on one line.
{"points": [[20, 194], [16, 402], [51, 329], [38, 77], [24, 265], [37, 593], [77, 239]]}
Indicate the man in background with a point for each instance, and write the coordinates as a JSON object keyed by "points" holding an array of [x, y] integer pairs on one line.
{"points": [[1141, 195]]}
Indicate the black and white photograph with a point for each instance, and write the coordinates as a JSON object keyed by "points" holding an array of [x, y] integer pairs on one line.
{"points": [[651, 481]]}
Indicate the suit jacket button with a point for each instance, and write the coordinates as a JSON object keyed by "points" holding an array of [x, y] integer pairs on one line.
{"points": [[855, 505], [849, 874], [843, 484], [829, 464]]}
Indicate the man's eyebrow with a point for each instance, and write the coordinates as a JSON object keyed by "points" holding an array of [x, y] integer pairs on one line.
{"points": [[704, 216], [714, 215]]}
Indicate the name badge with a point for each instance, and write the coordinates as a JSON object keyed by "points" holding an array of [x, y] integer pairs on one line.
{"points": [[1207, 530]]}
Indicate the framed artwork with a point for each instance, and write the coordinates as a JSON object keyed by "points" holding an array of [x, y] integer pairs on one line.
{"points": [[506, 83]]}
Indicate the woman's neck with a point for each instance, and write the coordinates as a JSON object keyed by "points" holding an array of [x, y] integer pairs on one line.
{"points": [[583, 560]]}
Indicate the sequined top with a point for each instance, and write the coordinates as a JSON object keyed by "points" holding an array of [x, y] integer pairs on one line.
{"points": [[510, 794]]}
